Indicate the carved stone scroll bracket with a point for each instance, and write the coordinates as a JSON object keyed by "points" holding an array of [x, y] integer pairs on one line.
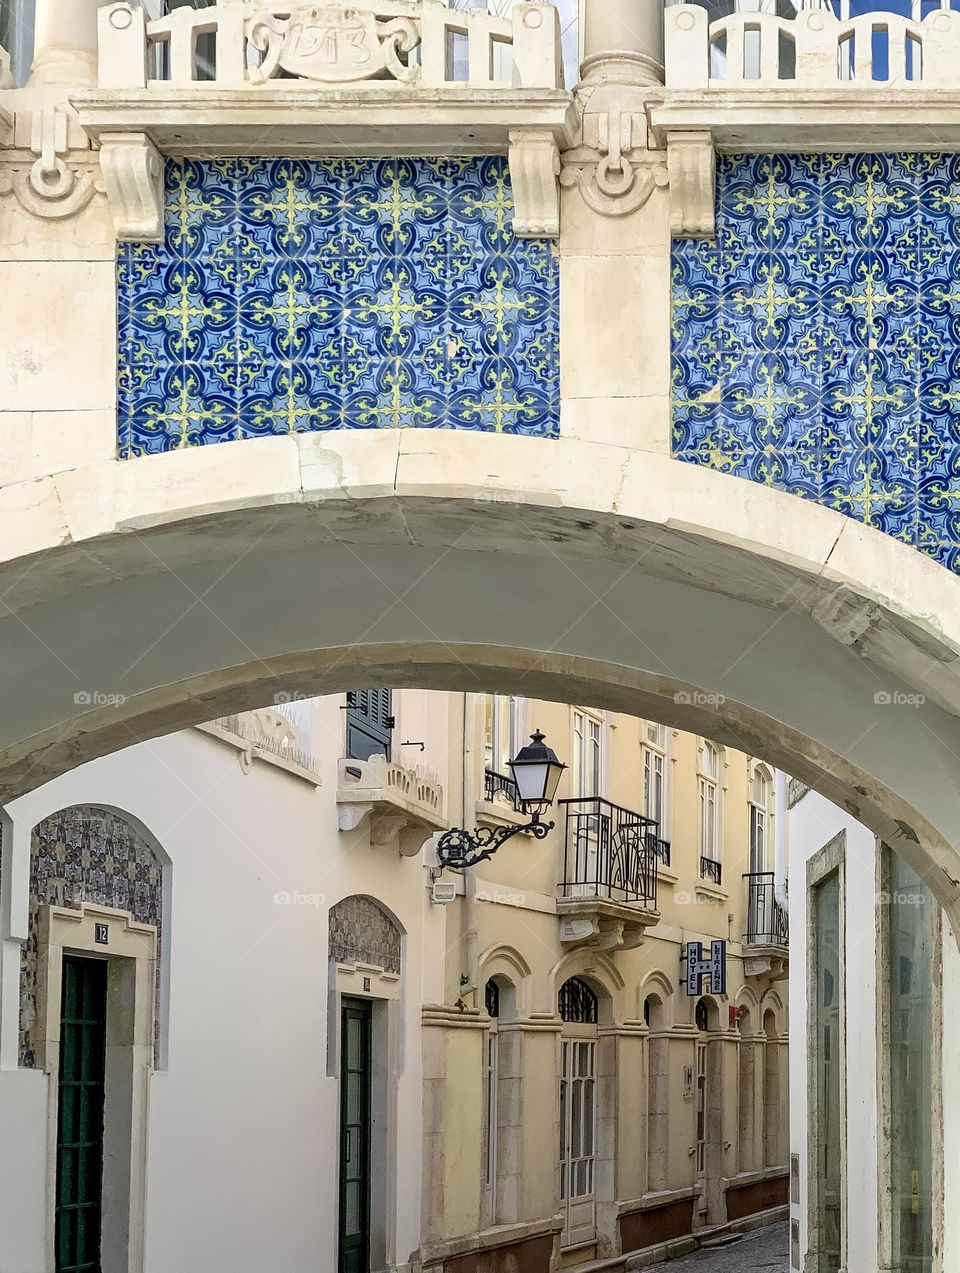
{"points": [[692, 161], [133, 176], [534, 168]]}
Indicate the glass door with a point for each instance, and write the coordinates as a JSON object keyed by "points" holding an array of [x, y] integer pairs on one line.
{"points": [[355, 1118], [578, 1140]]}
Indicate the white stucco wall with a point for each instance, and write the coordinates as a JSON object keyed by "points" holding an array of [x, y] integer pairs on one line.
{"points": [[814, 822], [234, 1177]]}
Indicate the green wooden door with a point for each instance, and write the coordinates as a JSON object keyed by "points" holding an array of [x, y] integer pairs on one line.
{"points": [[83, 1019], [355, 1063]]}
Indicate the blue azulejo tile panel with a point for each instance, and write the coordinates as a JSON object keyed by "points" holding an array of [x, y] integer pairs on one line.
{"points": [[816, 340], [292, 296]]}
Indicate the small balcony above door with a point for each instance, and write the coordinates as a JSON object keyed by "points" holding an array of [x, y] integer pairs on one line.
{"points": [[767, 939], [608, 895]]}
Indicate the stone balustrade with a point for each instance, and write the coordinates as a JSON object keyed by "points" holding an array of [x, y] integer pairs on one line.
{"points": [[415, 42], [815, 50]]}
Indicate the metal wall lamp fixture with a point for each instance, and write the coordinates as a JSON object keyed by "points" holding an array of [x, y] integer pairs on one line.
{"points": [[536, 771]]}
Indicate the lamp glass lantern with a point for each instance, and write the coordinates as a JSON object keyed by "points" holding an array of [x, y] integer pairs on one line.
{"points": [[536, 771]]}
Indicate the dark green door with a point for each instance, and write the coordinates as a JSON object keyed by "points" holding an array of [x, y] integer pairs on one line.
{"points": [[83, 1019], [355, 1136]]}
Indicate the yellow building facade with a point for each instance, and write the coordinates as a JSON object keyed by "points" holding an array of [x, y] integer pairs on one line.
{"points": [[579, 1103]]}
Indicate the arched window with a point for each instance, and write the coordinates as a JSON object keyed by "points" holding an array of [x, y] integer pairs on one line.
{"points": [[655, 795], [761, 819], [577, 1003], [711, 839]]}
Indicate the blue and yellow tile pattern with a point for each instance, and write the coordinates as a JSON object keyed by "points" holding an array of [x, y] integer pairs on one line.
{"points": [[817, 340], [293, 296]]}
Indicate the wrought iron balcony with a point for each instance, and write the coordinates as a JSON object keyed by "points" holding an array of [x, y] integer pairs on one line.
{"points": [[711, 870], [499, 788], [610, 852], [767, 921]]}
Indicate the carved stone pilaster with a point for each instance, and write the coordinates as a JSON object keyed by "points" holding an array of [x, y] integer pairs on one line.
{"points": [[534, 168], [692, 161], [47, 164], [133, 176]]}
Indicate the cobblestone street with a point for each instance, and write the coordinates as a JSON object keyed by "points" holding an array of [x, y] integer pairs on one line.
{"points": [[765, 1251]]}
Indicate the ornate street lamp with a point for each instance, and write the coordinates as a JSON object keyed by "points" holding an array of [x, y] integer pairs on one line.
{"points": [[536, 772]]}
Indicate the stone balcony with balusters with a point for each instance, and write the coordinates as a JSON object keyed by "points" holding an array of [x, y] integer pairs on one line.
{"points": [[759, 82], [390, 77]]}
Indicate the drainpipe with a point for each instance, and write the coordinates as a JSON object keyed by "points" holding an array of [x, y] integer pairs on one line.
{"points": [[780, 837], [622, 42], [65, 47], [470, 937]]}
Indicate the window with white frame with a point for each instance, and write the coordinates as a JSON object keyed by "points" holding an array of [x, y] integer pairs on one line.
{"points": [[761, 818], [655, 798], [587, 754], [504, 729], [709, 788]]}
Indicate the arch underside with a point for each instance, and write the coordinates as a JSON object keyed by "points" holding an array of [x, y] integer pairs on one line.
{"points": [[153, 628]]}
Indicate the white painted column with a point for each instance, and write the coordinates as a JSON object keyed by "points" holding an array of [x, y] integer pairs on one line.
{"points": [[65, 48], [623, 41]]}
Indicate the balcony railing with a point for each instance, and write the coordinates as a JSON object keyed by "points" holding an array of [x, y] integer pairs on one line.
{"points": [[610, 852], [815, 50], [711, 870], [767, 921], [501, 788], [400, 40]]}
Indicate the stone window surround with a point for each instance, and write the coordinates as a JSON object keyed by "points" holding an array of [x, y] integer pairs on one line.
{"points": [[131, 976], [884, 1079], [830, 859]]}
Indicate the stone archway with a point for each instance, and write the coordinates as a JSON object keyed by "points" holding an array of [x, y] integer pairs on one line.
{"points": [[555, 570]]}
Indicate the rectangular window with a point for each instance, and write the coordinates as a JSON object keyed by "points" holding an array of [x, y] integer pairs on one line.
{"points": [[587, 755], [911, 919], [828, 1116], [654, 786], [708, 819], [504, 731]]}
